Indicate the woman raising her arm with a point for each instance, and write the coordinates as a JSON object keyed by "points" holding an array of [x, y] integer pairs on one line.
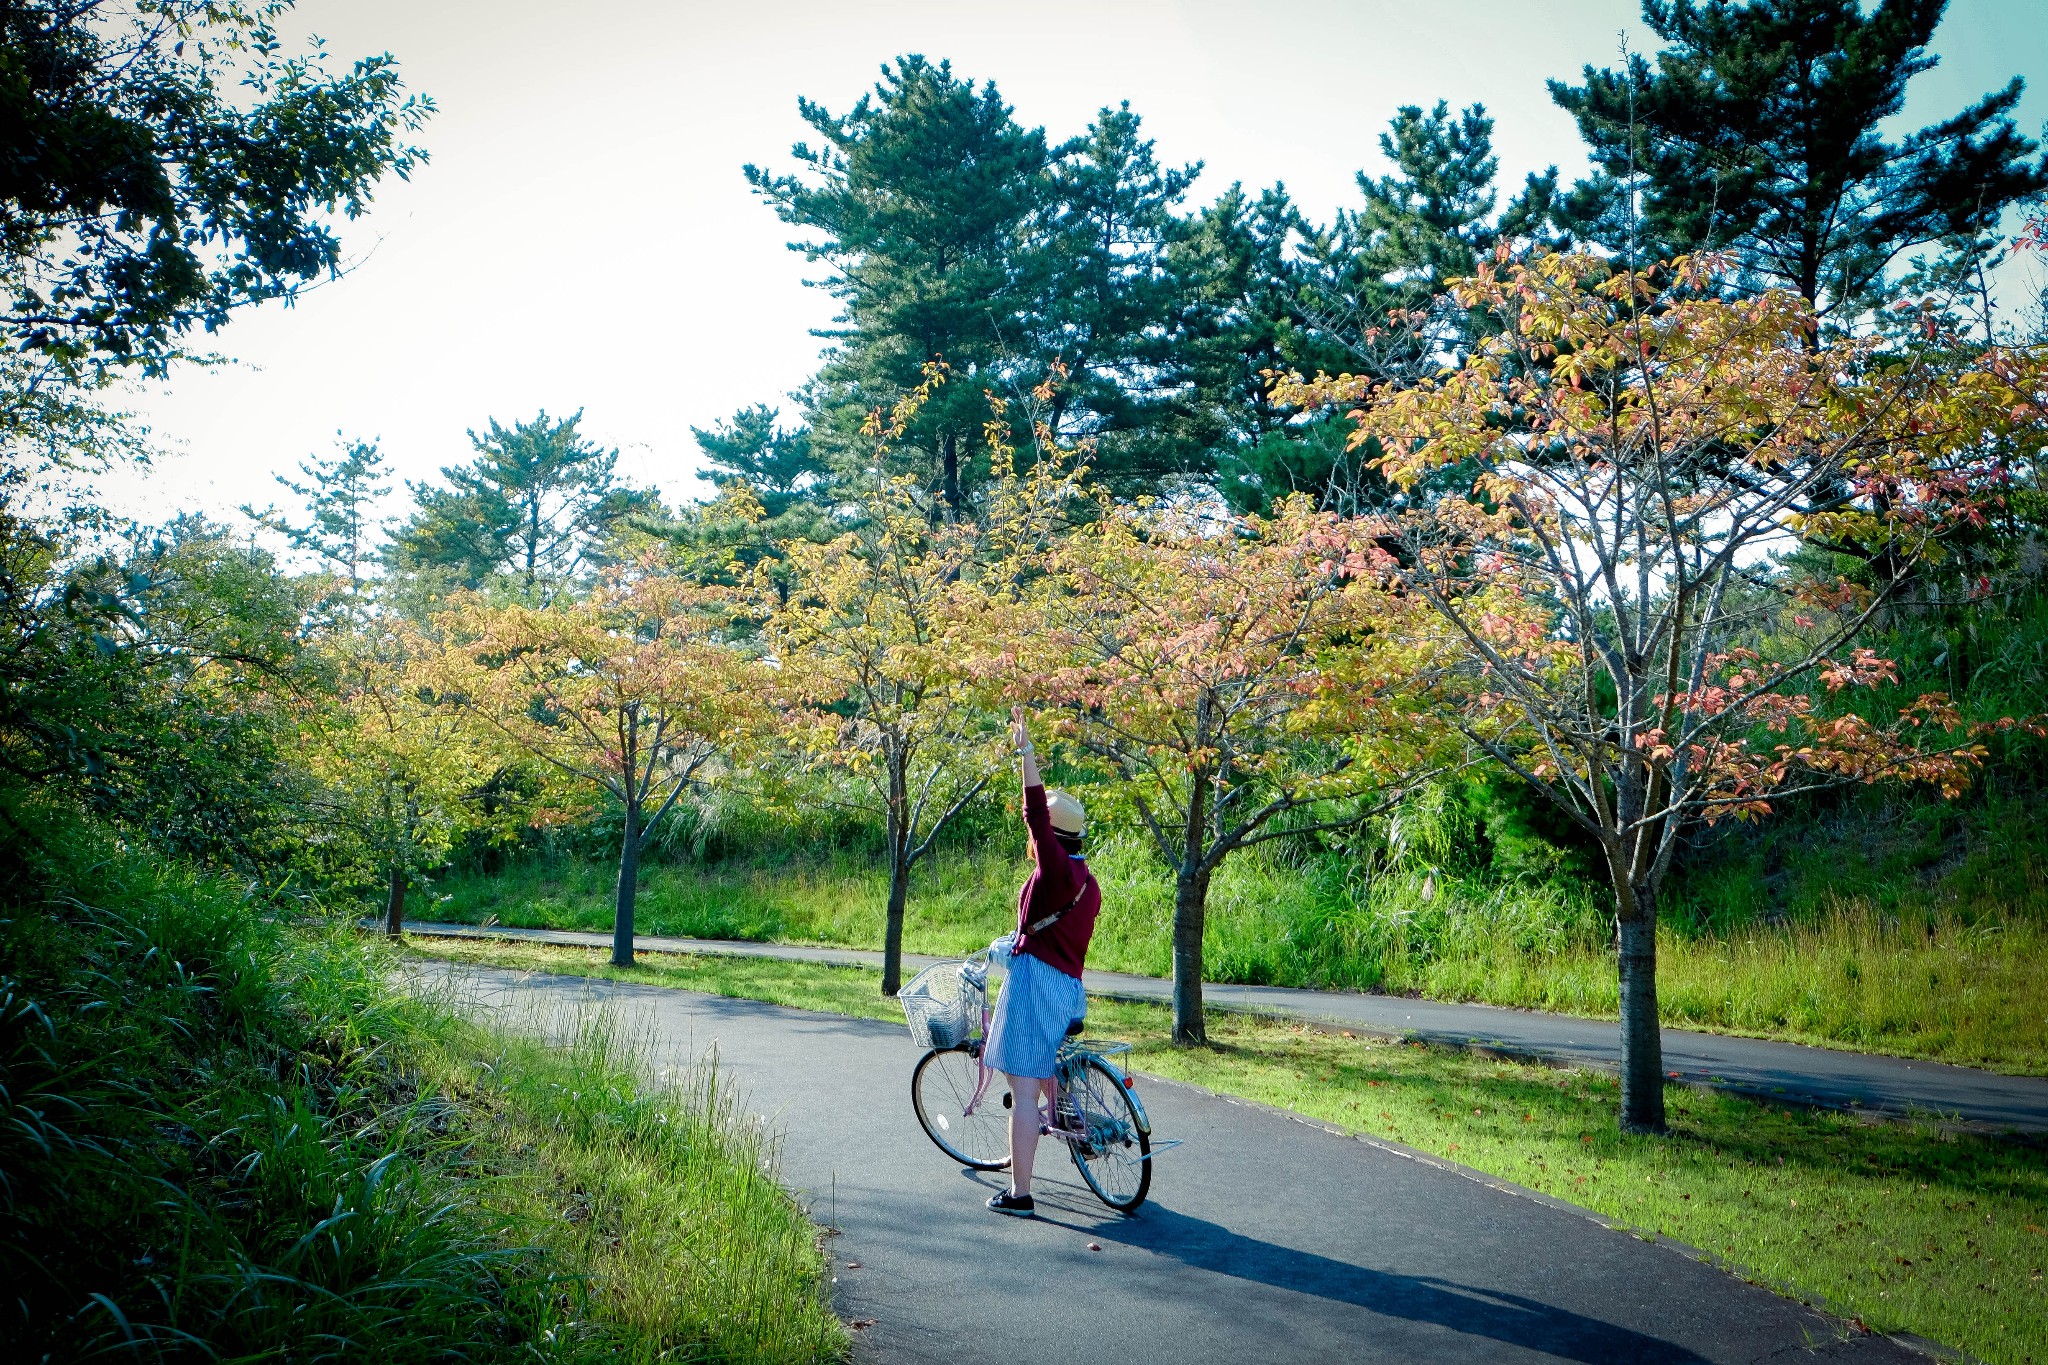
{"points": [[1042, 994]]}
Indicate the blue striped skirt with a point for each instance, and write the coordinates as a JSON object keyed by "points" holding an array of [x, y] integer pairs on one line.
{"points": [[1032, 1014]]}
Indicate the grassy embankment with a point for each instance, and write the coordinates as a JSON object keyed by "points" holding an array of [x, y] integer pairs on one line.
{"points": [[1916, 929], [225, 1138], [1905, 1228]]}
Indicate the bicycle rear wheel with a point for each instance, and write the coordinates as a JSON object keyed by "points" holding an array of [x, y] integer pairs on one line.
{"points": [[940, 1090], [1116, 1158]]}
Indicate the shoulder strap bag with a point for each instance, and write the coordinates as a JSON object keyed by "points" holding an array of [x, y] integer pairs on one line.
{"points": [[1040, 925]]}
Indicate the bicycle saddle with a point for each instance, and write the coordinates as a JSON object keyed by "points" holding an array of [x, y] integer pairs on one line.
{"points": [[1074, 1027]]}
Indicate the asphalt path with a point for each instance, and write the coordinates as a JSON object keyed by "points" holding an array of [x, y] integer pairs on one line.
{"points": [[1979, 1100], [1266, 1237]]}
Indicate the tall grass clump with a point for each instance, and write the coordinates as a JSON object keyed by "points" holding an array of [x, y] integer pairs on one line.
{"points": [[657, 1189], [224, 1135]]}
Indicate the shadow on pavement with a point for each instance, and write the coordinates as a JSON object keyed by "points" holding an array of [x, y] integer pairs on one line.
{"points": [[1489, 1313]]}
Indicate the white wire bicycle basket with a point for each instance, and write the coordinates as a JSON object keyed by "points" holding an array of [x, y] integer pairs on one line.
{"points": [[943, 1004]]}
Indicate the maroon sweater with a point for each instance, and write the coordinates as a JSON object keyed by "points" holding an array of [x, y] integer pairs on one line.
{"points": [[1053, 886]]}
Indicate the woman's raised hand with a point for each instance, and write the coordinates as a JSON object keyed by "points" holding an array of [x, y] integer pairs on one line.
{"points": [[1020, 733]]}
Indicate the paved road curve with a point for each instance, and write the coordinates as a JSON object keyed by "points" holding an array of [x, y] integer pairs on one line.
{"points": [[1266, 1238], [1787, 1071]]}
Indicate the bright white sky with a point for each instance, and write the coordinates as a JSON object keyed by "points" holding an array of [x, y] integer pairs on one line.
{"points": [[582, 237]]}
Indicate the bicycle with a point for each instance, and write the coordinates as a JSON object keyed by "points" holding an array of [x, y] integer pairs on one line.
{"points": [[1095, 1112]]}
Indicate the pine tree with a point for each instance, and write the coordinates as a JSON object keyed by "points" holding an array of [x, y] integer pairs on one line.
{"points": [[921, 200], [1240, 320], [772, 488], [340, 494], [1109, 300], [774, 461], [1367, 295], [1431, 221], [538, 503], [1758, 130]]}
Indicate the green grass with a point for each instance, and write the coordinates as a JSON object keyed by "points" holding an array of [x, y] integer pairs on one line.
{"points": [[227, 1137], [1903, 1227], [659, 1199], [1948, 981]]}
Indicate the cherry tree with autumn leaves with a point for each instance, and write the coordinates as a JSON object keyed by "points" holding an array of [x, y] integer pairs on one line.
{"points": [[1237, 681], [402, 771], [1616, 619], [873, 634], [632, 690]]}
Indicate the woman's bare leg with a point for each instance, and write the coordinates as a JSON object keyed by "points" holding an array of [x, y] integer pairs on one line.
{"points": [[1024, 1121]]}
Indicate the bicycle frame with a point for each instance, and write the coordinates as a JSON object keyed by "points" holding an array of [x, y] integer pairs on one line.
{"points": [[1069, 1049]]}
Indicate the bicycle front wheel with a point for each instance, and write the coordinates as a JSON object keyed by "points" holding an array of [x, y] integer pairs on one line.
{"points": [[941, 1089], [1115, 1159]]}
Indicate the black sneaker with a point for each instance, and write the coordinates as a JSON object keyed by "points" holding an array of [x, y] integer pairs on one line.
{"points": [[1016, 1205]]}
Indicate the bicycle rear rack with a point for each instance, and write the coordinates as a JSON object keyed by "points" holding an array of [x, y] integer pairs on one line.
{"points": [[1099, 1047]]}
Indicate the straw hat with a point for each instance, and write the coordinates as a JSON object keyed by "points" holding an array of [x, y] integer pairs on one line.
{"points": [[1066, 812]]}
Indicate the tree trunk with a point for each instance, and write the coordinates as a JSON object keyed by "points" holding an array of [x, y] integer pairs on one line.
{"points": [[892, 933], [532, 546], [899, 874], [629, 886], [949, 456], [1190, 904], [394, 903], [1642, 1045]]}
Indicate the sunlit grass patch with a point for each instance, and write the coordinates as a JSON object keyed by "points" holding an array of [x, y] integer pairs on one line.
{"points": [[658, 1198], [1969, 994], [1905, 1227], [816, 986], [1974, 993]]}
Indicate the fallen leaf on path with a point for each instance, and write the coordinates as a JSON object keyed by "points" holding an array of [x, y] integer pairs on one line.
{"points": [[1095, 1246], [862, 1324]]}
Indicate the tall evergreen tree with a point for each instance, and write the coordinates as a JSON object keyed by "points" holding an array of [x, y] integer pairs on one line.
{"points": [[1367, 293], [772, 488], [538, 504], [1109, 299], [1758, 131], [775, 462], [1239, 320], [341, 495], [920, 200], [1431, 221]]}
